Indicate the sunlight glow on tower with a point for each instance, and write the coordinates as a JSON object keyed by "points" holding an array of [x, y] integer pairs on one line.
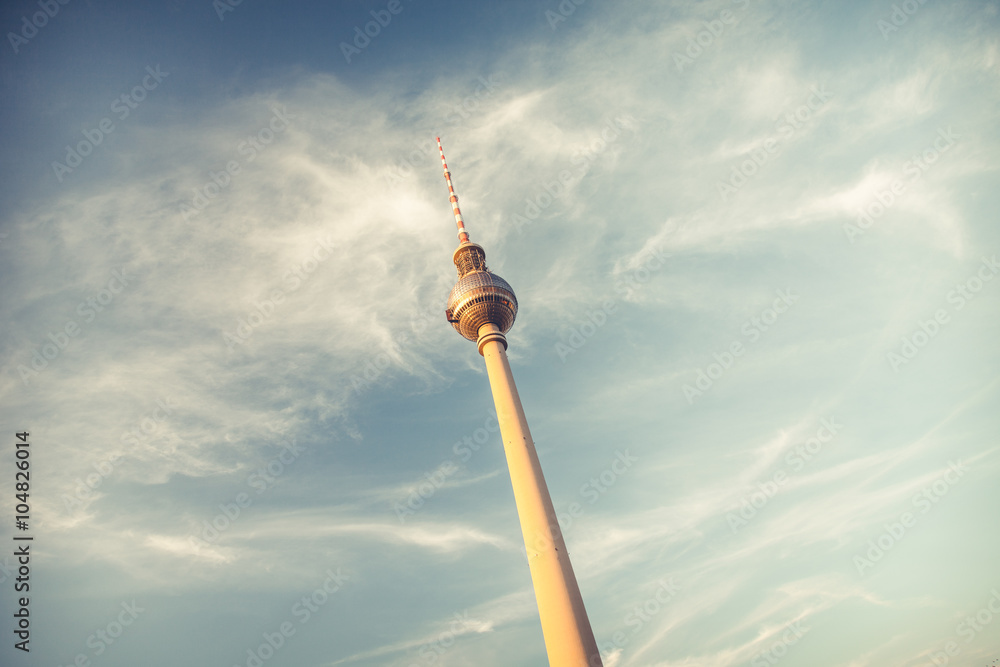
{"points": [[482, 308]]}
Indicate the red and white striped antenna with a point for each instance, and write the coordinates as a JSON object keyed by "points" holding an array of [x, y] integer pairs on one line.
{"points": [[463, 236]]}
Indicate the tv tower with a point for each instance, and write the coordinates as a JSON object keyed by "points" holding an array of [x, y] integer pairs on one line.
{"points": [[482, 308]]}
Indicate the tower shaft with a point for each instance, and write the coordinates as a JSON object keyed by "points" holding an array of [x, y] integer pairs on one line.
{"points": [[569, 639]]}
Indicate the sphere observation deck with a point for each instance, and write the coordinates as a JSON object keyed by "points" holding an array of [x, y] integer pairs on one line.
{"points": [[480, 296]]}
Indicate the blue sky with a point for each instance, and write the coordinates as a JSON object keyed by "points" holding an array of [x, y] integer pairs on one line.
{"points": [[756, 255]]}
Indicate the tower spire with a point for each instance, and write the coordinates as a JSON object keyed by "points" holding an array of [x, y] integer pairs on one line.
{"points": [[463, 236]]}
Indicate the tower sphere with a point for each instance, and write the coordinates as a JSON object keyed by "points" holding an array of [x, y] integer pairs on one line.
{"points": [[481, 297]]}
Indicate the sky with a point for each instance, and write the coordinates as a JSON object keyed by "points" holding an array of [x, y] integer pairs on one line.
{"points": [[755, 250]]}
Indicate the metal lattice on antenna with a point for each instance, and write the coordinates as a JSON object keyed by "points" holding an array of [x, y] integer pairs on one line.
{"points": [[463, 236]]}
